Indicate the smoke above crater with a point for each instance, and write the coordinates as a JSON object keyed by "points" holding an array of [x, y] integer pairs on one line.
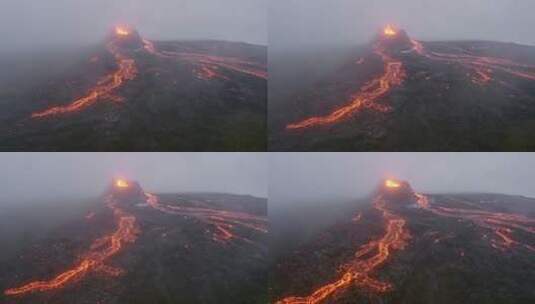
{"points": [[311, 178], [41, 177], [29, 24], [301, 23]]}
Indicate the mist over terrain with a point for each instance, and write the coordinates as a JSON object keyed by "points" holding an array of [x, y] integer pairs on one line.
{"points": [[297, 24], [34, 177], [64, 216], [306, 178], [29, 24], [310, 193]]}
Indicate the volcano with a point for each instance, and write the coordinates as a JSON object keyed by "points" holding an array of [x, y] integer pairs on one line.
{"points": [[401, 94], [408, 247], [125, 37], [131, 93], [132, 246]]}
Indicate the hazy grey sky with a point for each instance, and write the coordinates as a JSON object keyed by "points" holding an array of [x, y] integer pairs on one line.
{"points": [[302, 177], [294, 23], [34, 23], [41, 176]]}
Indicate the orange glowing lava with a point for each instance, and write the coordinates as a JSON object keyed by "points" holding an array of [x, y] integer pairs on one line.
{"points": [[233, 64], [122, 31], [207, 72], [504, 225], [358, 270], [121, 183], [209, 65], [224, 222], [389, 183], [101, 250], [482, 66], [103, 89], [389, 31], [365, 98]]}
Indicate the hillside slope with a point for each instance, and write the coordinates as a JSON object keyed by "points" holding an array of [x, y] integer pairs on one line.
{"points": [[139, 247], [400, 94], [134, 94], [409, 247]]}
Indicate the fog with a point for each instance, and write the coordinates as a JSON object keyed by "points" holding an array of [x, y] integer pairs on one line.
{"points": [[302, 23], [34, 177], [306, 178], [34, 24]]}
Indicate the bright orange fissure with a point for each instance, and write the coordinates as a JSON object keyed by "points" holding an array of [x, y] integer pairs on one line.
{"points": [[223, 221], [359, 270], [230, 63], [502, 224], [101, 249], [210, 64], [483, 66], [365, 98], [103, 89]]}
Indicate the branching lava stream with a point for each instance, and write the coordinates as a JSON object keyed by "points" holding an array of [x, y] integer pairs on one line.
{"points": [[365, 99], [503, 225], [101, 250], [222, 221], [104, 88], [370, 256], [482, 66], [209, 65], [358, 270]]}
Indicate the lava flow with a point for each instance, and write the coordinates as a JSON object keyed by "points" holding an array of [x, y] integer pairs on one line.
{"points": [[358, 270], [504, 225], [483, 66], [365, 99], [222, 221], [101, 250], [104, 88], [209, 65], [212, 62]]}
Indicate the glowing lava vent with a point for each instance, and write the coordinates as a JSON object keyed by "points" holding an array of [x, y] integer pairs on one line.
{"points": [[122, 31], [389, 183], [389, 31], [121, 183]]}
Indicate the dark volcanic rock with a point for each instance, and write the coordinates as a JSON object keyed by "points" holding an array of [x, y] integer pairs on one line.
{"points": [[174, 259], [446, 259], [172, 103], [441, 104]]}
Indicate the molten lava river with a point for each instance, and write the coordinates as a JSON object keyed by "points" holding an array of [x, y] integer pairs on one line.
{"points": [[104, 88], [359, 270], [222, 221], [209, 65], [482, 66], [371, 256], [366, 98], [101, 250], [503, 225]]}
